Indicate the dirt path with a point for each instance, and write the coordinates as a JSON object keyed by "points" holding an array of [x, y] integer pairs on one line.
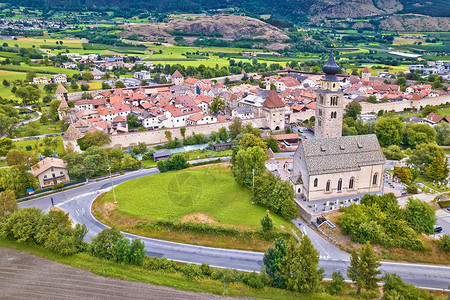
{"points": [[25, 276]]}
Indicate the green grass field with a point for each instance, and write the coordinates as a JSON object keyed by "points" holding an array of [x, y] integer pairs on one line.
{"points": [[170, 196], [22, 145]]}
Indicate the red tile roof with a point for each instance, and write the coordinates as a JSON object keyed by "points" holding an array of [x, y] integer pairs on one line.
{"points": [[273, 101]]}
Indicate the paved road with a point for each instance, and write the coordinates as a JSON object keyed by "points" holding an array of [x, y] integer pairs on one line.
{"points": [[77, 202]]}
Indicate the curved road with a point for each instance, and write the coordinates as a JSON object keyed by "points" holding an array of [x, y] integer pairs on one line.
{"points": [[77, 202]]}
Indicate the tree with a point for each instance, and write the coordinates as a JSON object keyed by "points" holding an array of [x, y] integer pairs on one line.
{"points": [[420, 215], [87, 76], [266, 222], [420, 134], [183, 132], [428, 110], [438, 169], [217, 104], [300, 270], [223, 134], [168, 135], [235, 128], [442, 134], [8, 202], [273, 260], [337, 285], [137, 252], [6, 144], [272, 144], [401, 81], [84, 87], [283, 200], [273, 87], [133, 121], [30, 75], [119, 85], [96, 138], [424, 155], [130, 163], [250, 140], [105, 86], [403, 173], [389, 131], [353, 109], [247, 164], [363, 268], [28, 94], [50, 88], [393, 152], [43, 119], [21, 159], [444, 242], [74, 86], [5, 83], [102, 245]]}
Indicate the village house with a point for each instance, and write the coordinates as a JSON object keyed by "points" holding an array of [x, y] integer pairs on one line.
{"points": [[50, 171], [40, 80], [59, 78]]}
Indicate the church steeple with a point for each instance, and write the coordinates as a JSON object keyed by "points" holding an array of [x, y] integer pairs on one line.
{"points": [[329, 102]]}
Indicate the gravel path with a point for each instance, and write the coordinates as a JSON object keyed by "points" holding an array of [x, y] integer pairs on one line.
{"points": [[26, 276]]}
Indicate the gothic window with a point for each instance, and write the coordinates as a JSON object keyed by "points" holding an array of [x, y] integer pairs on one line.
{"points": [[334, 85], [320, 112], [328, 185], [332, 115], [375, 179], [339, 187], [316, 181], [335, 114], [299, 190], [351, 183]]}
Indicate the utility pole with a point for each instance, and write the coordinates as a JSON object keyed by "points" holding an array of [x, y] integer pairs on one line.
{"points": [[112, 185], [253, 179]]}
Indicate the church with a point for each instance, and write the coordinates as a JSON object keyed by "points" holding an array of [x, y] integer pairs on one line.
{"points": [[331, 165]]}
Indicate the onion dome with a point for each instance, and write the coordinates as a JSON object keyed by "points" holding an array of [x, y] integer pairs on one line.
{"points": [[331, 67]]}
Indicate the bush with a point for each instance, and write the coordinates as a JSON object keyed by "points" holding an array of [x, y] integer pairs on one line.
{"points": [[336, 286], [255, 280], [412, 189], [160, 264], [191, 271], [227, 275], [206, 269], [176, 162], [57, 186], [444, 242]]}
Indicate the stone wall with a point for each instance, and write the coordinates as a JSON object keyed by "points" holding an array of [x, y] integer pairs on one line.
{"points": [[158, 136], [301, 116]]}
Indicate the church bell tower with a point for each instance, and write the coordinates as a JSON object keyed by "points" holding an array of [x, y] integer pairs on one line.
{"points": [[329, 102]]}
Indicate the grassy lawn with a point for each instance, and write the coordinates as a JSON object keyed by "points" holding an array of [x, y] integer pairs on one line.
{"points": [[21, 145], [41, 128], [199, 154], [424, 180], [148, 164], [174, 195], [174, 280]]}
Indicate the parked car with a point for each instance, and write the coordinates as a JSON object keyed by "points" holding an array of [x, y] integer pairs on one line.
{"points": [[437, 228], [448, 208]]}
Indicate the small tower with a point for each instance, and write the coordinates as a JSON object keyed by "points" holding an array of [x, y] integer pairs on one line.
{"points": [[61, 93], [177, 78], [274, 112], [365, 74], [329, 103]]}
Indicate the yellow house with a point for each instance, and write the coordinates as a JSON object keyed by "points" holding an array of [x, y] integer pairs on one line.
{"points": [[50, 171]]}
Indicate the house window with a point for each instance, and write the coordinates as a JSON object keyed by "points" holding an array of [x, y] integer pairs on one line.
{"points": [[299, 190], [316, 181], [53, 174], [45, 176], [328, 186], [375, 179], [339, 187], [61, 172], [351, 183]]}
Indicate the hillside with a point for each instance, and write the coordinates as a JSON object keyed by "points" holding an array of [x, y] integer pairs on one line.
{"points": [[292, 10], [226, 27], [415, 23]]}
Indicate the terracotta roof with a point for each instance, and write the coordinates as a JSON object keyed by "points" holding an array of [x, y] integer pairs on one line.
{"points": [[366, 70], [286, 136], [196, 117], [177, 74], [72, 133], [416, 97], [273, 101], [61, 89], [46, 164], [435, 118]]}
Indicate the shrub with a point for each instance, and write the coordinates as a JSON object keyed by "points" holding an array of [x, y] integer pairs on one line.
{"points": [[255, 280], [266, 222], [412, 189], [206, 269], [444, 242], [160, 264], [191, 271], [337, 285], [57, 186], [227, 275]]}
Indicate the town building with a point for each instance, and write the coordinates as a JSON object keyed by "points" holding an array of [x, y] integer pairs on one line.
{"points": [[50, 171], [330, 165], [59, 78], [177, 78]]}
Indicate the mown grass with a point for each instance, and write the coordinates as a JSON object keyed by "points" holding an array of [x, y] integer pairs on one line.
{"points": [[173, 195], [37, 145], [134, 273]]}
